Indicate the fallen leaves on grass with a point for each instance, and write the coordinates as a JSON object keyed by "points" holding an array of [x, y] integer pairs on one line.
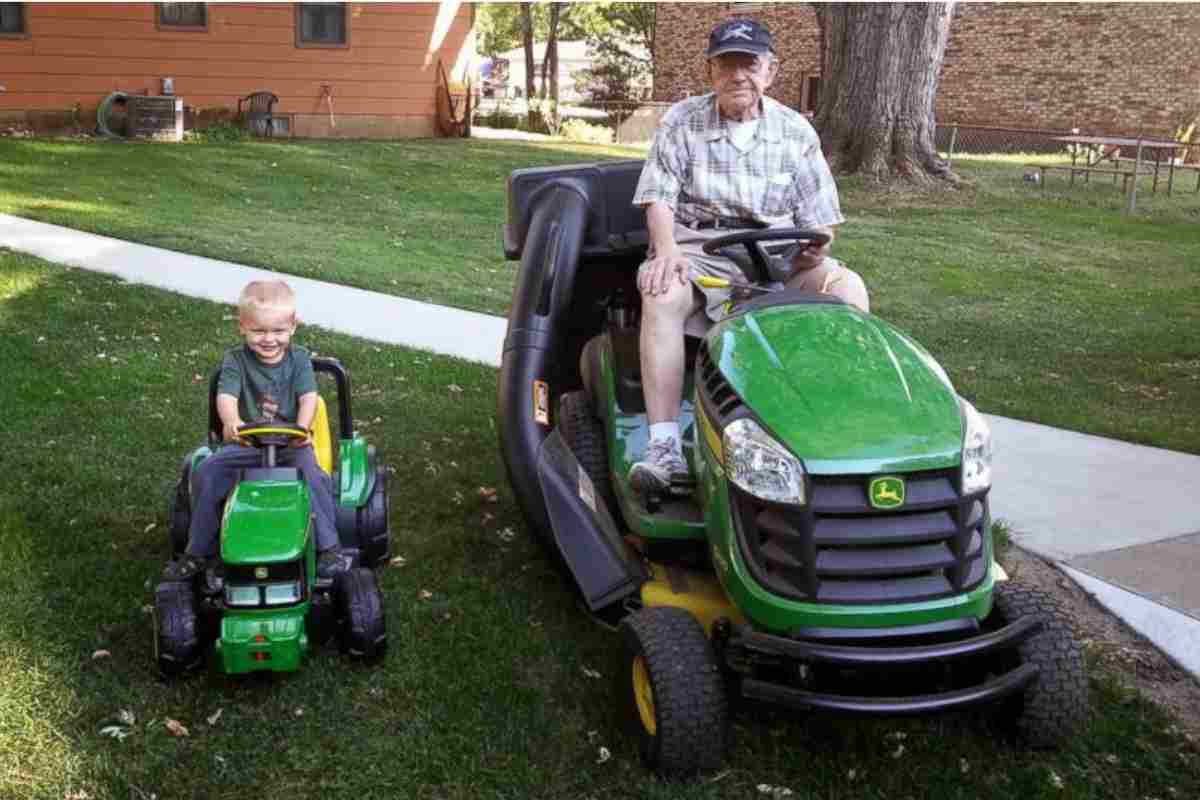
{"points": [[212, 718], [398, 561], [454, 387], [99, 654], [603, 756], [176, 728], [488, 494], [425, 594], [590, 673], [507, 535], [774, 791], [1055, 780], [150, 527]]}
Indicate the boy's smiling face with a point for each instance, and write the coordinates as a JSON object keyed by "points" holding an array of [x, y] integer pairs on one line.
{"points": [[268, 333]]}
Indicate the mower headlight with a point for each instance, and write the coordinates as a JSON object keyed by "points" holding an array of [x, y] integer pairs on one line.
{"points": [[282, 593], [976, 451], [760, 465], [241, 595]]}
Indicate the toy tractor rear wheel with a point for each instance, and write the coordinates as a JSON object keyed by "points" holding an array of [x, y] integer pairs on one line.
{"points": [[583, 433], [177, 644], [674, 694], [1055, 705], [360, 606]]}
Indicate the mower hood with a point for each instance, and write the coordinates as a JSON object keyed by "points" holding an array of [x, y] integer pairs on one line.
{"points": [[266, 522], [844, 390]]}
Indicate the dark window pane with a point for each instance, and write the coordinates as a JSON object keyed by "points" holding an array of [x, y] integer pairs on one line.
{"points": [[323, 22], [192, 14], [11, 18]]}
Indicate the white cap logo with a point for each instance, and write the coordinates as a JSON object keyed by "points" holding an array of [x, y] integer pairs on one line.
{"points": [[742, 31]]}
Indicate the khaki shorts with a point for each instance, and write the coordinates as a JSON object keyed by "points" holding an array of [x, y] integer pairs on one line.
{"points": [[829, 277]]}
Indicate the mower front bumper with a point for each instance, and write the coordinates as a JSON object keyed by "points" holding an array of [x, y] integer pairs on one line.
{"points": [[262, 641], [747, 646]]}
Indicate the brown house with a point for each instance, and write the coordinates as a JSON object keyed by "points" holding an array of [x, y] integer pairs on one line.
{"points": [[1107, 67], [338, 69]]}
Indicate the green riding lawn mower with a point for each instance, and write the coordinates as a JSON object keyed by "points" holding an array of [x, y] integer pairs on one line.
{"points": [[263, 606], [830, 549]]}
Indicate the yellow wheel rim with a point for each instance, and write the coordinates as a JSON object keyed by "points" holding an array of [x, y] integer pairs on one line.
{"points": [[643, 693]]}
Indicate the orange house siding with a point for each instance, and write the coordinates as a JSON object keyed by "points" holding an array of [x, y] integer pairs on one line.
{"points": [[384, 82]]}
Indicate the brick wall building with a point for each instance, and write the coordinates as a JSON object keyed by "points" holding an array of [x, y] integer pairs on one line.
{"points": [[1103, 68]]}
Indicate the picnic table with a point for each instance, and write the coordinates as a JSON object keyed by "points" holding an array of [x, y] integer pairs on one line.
{"points": [[1097, 149]]}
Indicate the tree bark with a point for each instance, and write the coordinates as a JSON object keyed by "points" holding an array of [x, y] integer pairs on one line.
{"points": [[880, 68], [527, 37], [550, 59]]}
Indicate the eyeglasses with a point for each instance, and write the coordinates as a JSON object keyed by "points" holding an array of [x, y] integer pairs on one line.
{"points": [[731, 66]]}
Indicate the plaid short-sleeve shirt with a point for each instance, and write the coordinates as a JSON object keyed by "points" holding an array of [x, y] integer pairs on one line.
{"points": [[696, 169]]}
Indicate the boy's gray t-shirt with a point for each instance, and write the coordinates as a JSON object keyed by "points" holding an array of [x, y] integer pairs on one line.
{"points": [[253, 382]]}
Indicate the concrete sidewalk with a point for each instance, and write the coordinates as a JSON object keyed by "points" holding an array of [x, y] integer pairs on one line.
{"points": [[1121, 519]]}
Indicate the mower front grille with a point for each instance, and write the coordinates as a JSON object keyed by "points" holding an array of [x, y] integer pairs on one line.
{"points": [[715, 389], [839, 549]]}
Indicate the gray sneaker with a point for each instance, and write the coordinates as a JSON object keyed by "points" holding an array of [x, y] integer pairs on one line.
{"points": [[660, 461]]}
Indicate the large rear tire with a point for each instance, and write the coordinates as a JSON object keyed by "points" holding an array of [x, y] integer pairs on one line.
{"points": [[583, 433], [360, 604], [674, 694], [180, 512], [1055, 706], [177, 646]]}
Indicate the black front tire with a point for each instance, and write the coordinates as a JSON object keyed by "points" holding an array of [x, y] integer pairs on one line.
{"points": [[1055, 706], [177, 645], [360, 603], [583, 432], [674, 694]]}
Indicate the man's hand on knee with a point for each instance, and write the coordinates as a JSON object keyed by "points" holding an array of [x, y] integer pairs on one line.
{"points": [[655, 275]]}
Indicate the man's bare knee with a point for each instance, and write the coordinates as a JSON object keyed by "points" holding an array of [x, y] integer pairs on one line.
{"points": [[672, 306]]}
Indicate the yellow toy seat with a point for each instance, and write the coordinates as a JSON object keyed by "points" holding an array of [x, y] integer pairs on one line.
{"points": [[322, 440]]}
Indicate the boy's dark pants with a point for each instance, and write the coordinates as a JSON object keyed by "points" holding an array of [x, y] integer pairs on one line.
{"points": [[218, 474]]}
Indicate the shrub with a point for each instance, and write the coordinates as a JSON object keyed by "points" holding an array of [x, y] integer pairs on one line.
{"points": [[577, 130], [221, 133]]}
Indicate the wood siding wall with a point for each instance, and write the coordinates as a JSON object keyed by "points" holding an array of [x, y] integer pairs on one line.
{"points": [[383, 83]]}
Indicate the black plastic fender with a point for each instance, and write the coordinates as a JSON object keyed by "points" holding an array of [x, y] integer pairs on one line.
{"points": [[533, 373]]}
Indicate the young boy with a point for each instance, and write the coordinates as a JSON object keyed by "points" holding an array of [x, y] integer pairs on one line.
{"points": [[267, 377]]}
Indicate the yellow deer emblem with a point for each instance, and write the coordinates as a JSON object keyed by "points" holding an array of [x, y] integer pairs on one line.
{"points": [[887, 492]]}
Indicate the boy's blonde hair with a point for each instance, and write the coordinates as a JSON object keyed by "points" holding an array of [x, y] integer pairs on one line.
{"points": [[259, 296]]}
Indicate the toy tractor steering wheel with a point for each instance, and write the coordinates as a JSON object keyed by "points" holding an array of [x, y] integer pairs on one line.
{"points": [[753, 241], [271, 434]]}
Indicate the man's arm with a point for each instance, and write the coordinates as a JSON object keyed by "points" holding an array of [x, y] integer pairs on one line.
{"points": [[231, 418]]}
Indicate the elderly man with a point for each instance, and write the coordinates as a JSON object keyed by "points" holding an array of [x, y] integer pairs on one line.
{"points": [[733, 159]]}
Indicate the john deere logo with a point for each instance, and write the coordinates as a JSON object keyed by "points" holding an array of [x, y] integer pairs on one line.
{"points": [[886, 492], [261, 572]]}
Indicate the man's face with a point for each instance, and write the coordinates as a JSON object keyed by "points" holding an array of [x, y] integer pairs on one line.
{"points": [[740, 79]]}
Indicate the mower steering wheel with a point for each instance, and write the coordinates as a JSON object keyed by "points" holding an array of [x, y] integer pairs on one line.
{"points": [[271, 433], [753, 239]]}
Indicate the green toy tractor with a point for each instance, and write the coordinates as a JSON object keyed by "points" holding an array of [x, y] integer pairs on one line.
{"points": [[264, 605], [831, 547]]}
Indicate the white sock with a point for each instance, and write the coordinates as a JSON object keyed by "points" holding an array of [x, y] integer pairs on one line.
{"points": [[664, 430]]}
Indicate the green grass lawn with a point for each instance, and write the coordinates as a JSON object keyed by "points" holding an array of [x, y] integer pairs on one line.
{"points": [[1051, 306], [483, 692]]}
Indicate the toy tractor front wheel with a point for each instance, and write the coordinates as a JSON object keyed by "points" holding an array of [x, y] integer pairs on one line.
{"points": [[1054, 706], [360, 604], [176, 633], [674, 693]]}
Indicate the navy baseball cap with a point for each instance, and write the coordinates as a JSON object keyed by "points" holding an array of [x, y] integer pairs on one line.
{"points": [[739, 36]]}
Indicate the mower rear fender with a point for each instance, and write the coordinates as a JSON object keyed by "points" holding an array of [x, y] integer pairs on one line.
{"points": [[583, 531]]}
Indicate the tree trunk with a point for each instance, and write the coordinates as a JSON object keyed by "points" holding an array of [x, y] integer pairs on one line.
{"points": [[880, 68], [550, 58], [527, 36]]}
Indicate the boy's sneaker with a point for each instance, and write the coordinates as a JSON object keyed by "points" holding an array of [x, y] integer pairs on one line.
{"points": [[333, 562], [660, 461], [184, 568]]}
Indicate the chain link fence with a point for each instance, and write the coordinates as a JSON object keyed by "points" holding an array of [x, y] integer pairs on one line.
{"points": [[629, 121], [954, 139]]}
